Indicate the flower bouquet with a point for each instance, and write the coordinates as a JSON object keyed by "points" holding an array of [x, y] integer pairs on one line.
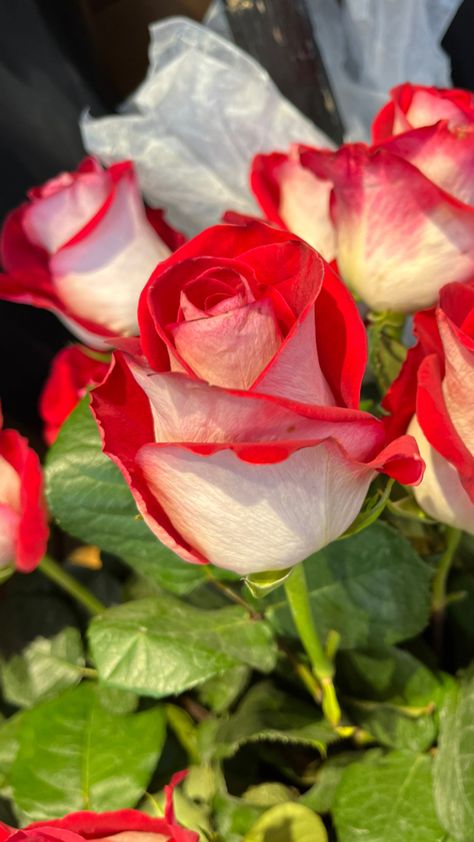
{"points": [[253, 533]]}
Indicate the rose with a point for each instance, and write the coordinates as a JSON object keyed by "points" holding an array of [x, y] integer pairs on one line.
{"points": [[73, 369], [84, 247], [414, 106], [403, 213], [293, 197], [433, 397], [238, 430], [119, 826], [23, 527]]}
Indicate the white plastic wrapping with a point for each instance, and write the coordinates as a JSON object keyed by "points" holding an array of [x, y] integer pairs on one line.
{"points": [[192, 128], [368, 46]]}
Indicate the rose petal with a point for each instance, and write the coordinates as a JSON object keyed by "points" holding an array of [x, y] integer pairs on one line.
{"points": [[441, 494], [100, 277], [247, 517]]}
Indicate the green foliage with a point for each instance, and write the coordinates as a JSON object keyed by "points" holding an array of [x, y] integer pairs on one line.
{"points": [[269, 714], [90, 499], [454, 763], [44, 669], [73, 754], [372, 588], [287, 823], [391, 695], [162, 646], [388, 799]]}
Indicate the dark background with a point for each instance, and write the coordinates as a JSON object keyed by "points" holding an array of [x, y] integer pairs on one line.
{"points": [[58, 57]]}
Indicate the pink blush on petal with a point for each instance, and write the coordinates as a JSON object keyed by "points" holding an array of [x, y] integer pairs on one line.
{"points": [[9, 521]]}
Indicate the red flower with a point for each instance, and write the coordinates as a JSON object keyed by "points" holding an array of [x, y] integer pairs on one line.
{"points": [[23, 526], [72, 371], [433, 397], [238, 429], [119, 826], [403, 213], [84, 247], [414, 106]]}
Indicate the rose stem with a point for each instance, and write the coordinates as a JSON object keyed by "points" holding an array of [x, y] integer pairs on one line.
{"points": [[298, 600], [53, 571], [439, 597]]}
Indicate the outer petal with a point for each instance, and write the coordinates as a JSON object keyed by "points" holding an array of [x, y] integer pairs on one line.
{"points": [[444, 154], [441, 494], [295, 198], [95, 826], [434, 418], [125, 420], [52, 220], [458, 383], [414, 106], [342, 340], [100, 277], [303, 470], [9, 520], [249, 517], [72, 371], [399, 235], [32, 532]]}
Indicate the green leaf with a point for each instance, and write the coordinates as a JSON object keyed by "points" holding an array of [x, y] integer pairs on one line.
{"points": [[454, 764], [44, 669], [9, 744], [220, 692], [386, 352], [320, 797], [392, 695], [161, 646], [89, 499], [372, 510], [75, 755], [287, 823], [269, 794], [372, 588], [388, 799], [267, 713], [233, 817]]}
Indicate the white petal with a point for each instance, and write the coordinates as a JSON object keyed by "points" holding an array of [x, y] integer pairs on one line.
{"points": [[440, 493], [295, 373], [304, 207], [101, 277], [52, 221], [248, 517], [188, 410], [458, 383]]}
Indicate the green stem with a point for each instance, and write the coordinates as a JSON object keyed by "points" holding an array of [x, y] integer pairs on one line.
{"points": [[298, 600], [439, 598], [438, 602], [68, 583]]}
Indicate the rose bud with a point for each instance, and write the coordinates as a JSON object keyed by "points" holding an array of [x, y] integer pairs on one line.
{"points": [[118, 826], [238, 429], [84, 247], [23, 524], [294, 198], [433, 396], [415, 106], [403, 213], [73, 370]]}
